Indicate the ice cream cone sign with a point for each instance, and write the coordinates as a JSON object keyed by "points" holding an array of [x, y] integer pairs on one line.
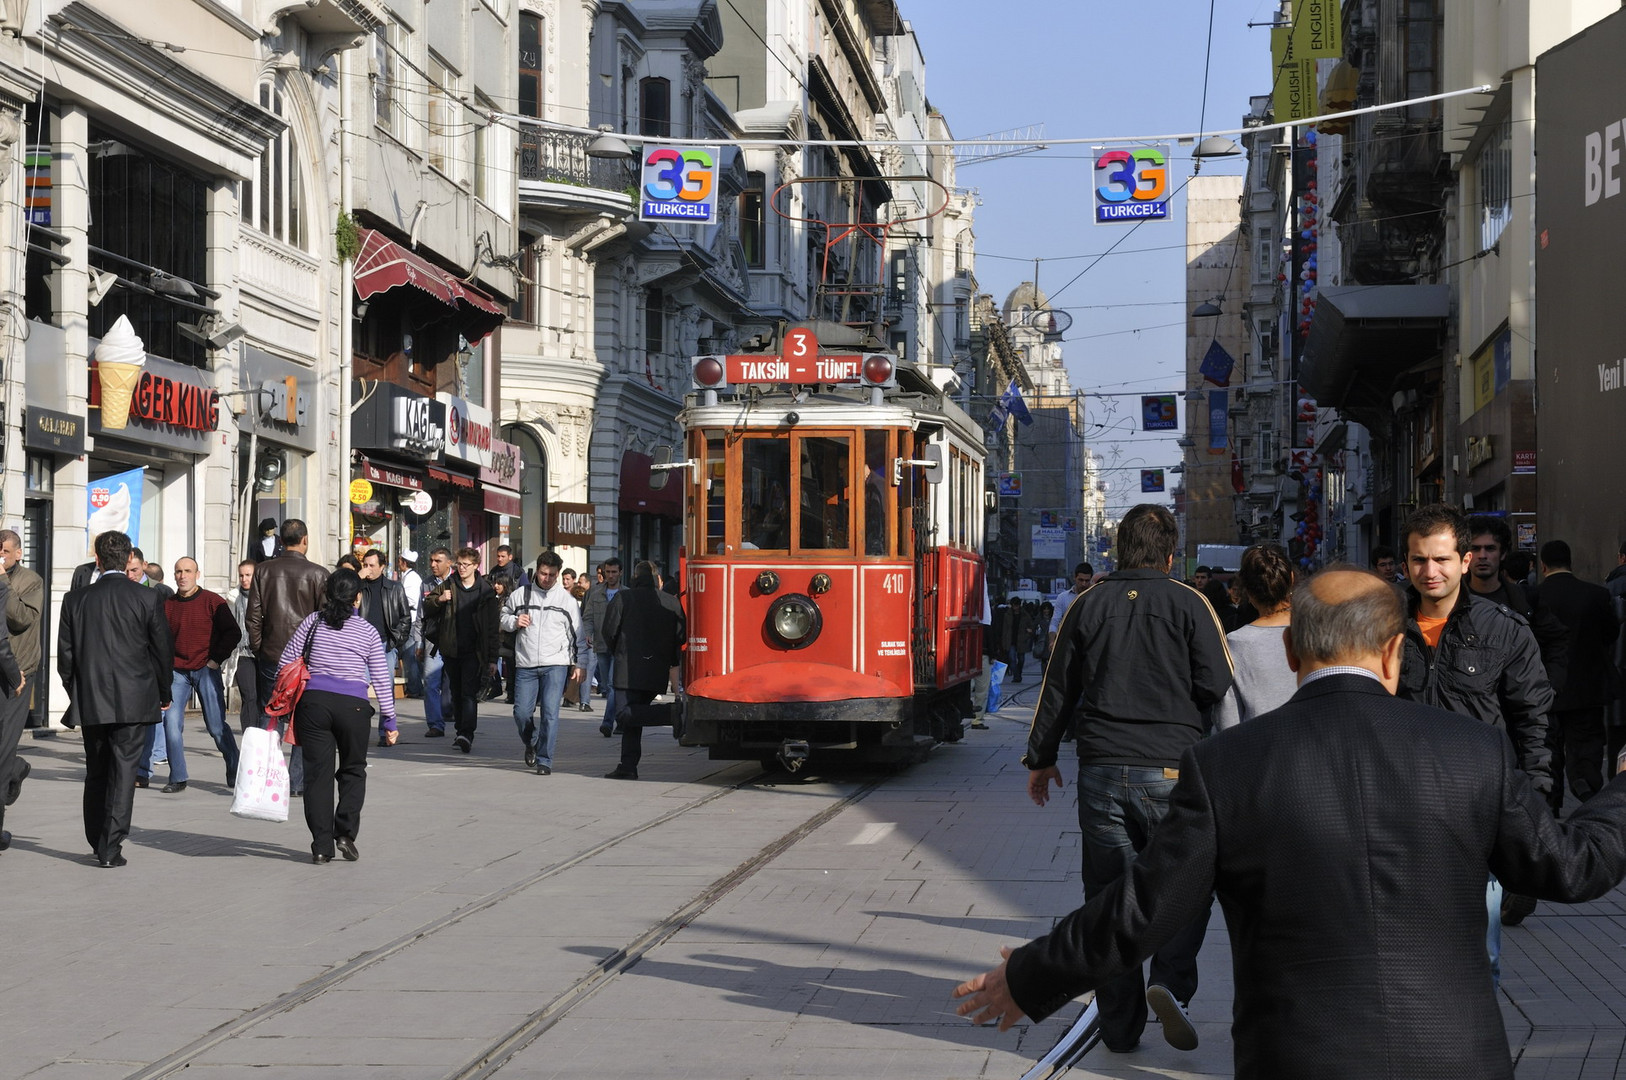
{"points": [[119, 357]]}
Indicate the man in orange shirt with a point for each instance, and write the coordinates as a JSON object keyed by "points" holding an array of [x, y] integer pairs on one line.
{"points": [[1472, 656]]}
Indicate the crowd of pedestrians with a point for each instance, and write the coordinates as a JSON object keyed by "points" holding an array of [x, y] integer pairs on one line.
{"points": [[133, 653], [1368, 770]]}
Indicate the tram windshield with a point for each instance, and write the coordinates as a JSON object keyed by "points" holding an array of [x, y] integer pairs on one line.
{"points": [[765, 494], [826, 509]]}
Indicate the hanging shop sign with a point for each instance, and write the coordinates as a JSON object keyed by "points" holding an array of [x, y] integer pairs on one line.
{"points": [[391, 417], [679, 184], [468, 430], [506, 466], [361, 491], [57, 432], [572, 524], [421, 503], [1132, 184]]}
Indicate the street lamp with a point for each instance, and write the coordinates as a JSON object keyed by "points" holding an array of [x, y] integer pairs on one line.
{"points": [[1208, 309], [609, 146]]}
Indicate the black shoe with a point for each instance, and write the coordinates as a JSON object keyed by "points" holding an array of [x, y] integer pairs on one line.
{"points": [[584, 707], [541, 770], [141, 781], [5, 839], [174, 789], [320, 859], [231, 780], [435, 733], [1516, 907], [509, 699], [347, 848], [605, 730], [113, 861], [14, 788], [621, 774], [530, 756], [463, 743]]}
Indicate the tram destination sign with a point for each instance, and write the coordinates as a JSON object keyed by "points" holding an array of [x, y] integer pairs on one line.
{"points": [[759, 368]]}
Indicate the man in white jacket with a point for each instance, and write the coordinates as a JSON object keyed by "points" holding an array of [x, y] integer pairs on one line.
{"points": [[549, 650]]}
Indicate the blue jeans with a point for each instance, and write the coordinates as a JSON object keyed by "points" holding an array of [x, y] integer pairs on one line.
{"points": [[412, 665], [205, 682], [434, 678], [1119, 807], [604, 672], [547, 684], [1493, 929]]}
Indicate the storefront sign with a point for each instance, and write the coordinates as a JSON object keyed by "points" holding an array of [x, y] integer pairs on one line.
{"points": [[1524, 462], [361, 491], [468, 430], [506, 466], [55, 431], [421, 503], [170, 402], [391, 417], [572, 524], [383, 474], [280, 396]]}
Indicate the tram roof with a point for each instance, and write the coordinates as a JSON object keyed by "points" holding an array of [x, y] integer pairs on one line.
{"points": [[843, 408]]}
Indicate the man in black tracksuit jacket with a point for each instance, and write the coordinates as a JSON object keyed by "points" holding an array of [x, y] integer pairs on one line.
{"points": [[1138, 661]]}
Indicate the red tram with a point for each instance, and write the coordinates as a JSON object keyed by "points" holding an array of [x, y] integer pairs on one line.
{"points": [[833, 574]]}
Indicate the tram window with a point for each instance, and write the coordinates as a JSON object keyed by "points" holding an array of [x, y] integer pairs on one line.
{"points": [[877, 481], [765, 494], [716, 476], [906, 449], [826, 509]]}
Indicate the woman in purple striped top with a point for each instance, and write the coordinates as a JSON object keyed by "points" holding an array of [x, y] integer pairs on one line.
{"points": [[334, 715]]}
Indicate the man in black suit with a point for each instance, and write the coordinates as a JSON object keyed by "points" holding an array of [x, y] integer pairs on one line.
{"points": [[1575, 727], [1348, 835], [115, 656]]}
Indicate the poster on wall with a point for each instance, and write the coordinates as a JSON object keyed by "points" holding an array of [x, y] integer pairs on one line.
{"points": [[113, 504]]}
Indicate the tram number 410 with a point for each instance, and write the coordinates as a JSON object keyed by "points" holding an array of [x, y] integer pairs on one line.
{"points": [[895, 583]]}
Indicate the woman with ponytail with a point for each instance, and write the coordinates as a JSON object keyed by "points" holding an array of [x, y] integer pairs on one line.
{"points": [[334, 715]]}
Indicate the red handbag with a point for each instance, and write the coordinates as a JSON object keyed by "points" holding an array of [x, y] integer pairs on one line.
{"points": [[290, 685]]}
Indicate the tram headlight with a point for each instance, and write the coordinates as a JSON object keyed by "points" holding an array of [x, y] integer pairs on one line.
{"points": [[879, 370], [709, 373], [795, 621]]}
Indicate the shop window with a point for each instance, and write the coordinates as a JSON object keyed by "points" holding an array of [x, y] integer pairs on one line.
{"points": [[753, 231], [273, 202], [530, 65], [655, 108], [825, 507]]}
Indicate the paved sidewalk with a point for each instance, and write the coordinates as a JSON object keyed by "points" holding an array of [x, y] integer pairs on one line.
{"points": [[487, 896]]}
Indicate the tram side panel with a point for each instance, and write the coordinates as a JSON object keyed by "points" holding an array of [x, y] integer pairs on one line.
{"points": [[959, 632]]}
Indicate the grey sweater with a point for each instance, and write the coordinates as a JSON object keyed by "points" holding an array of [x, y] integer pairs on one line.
{"points": [[1263, 679]]}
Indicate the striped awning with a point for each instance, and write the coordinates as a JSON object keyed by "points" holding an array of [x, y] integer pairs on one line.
{"points": [[383, 264]]}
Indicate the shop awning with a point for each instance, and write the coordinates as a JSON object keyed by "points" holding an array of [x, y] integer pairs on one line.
{"points": [[384, 473], [639, 498], [1363, 337], [383, 264], [501, 501], [455, 479]]}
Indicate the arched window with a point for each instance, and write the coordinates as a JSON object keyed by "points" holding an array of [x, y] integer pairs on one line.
{"points": [[655, 107], [529, 534], [273, 202]]}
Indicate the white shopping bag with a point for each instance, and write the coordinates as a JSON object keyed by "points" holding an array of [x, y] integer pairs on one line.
{"points": [[262, 777]]}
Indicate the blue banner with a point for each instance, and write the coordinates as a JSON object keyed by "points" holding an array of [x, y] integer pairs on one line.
{"points": [[1217, 365], [1218, 410], [1158, 413], [113, 504]]}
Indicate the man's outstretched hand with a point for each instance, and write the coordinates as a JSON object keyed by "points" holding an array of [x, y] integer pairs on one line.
{"points": [[988, 997]]}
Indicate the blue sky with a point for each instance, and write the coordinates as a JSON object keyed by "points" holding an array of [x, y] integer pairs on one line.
{"points": [[1084, 69]]}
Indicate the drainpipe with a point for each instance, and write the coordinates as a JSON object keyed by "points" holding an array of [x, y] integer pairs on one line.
{"points": [[347, 301]]}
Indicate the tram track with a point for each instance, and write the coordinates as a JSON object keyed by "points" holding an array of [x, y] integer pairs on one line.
{"points": [[501, 1050]]}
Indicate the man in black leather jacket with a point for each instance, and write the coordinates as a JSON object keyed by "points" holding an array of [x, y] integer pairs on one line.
{"points": [[1475, 657], [384, 604]]}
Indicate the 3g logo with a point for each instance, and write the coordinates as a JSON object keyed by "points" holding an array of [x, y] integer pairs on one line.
{"points": [[679, 184], [1132, 184]]}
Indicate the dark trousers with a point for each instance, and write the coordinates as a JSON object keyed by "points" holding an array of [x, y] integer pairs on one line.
{"points": [[1014, 661], [247, 681], [1119, 807], [467, 679], [1576, 739], [13, 716], [330, 725], [111, 753], [632, 736]]}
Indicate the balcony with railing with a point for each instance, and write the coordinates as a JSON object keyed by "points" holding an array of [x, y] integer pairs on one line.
{"points": [[556, 173]]}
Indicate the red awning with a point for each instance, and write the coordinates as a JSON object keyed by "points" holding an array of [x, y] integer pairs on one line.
{"points": [[639, 498], [502, 501], [452, 478], [383, 264]]}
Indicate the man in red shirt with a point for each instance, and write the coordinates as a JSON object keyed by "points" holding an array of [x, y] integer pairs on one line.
{"points": [[206, 634]]}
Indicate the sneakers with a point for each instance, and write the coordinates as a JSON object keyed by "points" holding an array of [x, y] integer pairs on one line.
{"points": [[1177, 1027], [463, 743]]}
